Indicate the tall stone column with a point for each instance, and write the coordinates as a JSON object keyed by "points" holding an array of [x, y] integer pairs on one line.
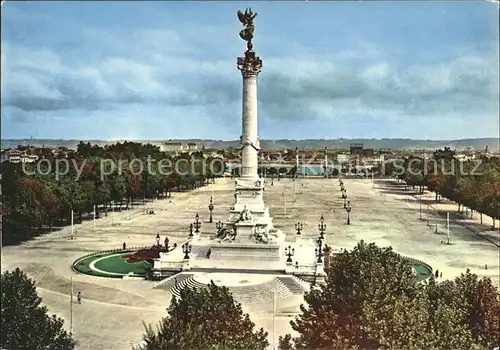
{"points": [[250, 67]]}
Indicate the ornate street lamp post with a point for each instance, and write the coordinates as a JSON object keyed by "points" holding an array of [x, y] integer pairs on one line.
{"points": [[186, 249], [319, 250], [219, 225], [289, 253], [190, 230], [348, 210], [299, 226], [210, 208], [322, 228], [197, 223]]}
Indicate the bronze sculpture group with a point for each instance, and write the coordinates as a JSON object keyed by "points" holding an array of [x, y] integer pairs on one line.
{"points": [[246, 18]]}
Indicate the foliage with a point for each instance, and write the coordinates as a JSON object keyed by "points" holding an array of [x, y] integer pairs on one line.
{"points": [[26, 324], [471, 183], [371, 299], [205, 319], [33, 199]]}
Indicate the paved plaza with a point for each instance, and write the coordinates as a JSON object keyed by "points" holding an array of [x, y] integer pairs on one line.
{"points": [[113, 309]]}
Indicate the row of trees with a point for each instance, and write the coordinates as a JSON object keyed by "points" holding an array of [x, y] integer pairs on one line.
{"points": [[371, 300], [474, 183], [36, 197]]}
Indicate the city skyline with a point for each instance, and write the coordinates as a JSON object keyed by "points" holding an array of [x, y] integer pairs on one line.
{"points": [[330, 70]]}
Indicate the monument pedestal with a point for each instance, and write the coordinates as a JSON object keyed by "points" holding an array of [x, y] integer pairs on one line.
{"points": [[246, 251], [246, 247]]}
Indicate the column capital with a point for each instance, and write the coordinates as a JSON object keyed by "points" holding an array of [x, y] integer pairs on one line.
{"points": [[250, 65]]}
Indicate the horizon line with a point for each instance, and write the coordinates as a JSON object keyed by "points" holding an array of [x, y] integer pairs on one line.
{"points": [[235, 140]]}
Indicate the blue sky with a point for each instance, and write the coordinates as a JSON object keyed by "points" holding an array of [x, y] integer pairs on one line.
{"points": [[161, 70]]}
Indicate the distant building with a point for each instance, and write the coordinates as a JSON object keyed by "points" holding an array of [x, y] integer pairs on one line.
{"points": [[343, 158], [17, 156], [367, 152], [465, 157], [191, 146], [356, 149], [171, 146]]}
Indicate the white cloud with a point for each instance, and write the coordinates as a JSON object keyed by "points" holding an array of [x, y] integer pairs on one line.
{"points": [[168, 75]]}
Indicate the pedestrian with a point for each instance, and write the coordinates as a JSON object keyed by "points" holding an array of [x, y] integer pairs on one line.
{"points": [[209, 251], [486, 266], [441, 275], [437, 273], [175, 281], [79, 298], [124, 246]]}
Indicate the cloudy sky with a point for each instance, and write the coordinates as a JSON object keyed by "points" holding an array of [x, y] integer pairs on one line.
{"points": [[160, 70]]}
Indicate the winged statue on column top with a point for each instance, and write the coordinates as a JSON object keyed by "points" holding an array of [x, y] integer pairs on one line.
{"points": [[246, 18]]}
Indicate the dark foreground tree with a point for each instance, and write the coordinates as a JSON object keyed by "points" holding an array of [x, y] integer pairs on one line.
{"points": [[26, 324], [205, 319], [372, 300]]}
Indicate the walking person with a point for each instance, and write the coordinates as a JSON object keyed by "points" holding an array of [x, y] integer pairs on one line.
{"points": [[437, 273], [79, 298]]}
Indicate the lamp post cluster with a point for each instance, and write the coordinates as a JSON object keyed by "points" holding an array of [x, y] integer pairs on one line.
{"points": [[322, 227], [195, 226], [299, 226], [347, 204], [210, 209], [186, 249], [197, 223], [166, 243], [348, 210], [289, 252], [219, 225]]}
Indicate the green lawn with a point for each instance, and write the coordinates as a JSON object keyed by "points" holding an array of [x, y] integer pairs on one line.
{"points": [[113, 263], [422, 270]]}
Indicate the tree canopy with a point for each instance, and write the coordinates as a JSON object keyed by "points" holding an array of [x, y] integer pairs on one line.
{"points": [[372, 299], [472, 183], [37, 198], [26, 324], [205, 319]]}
